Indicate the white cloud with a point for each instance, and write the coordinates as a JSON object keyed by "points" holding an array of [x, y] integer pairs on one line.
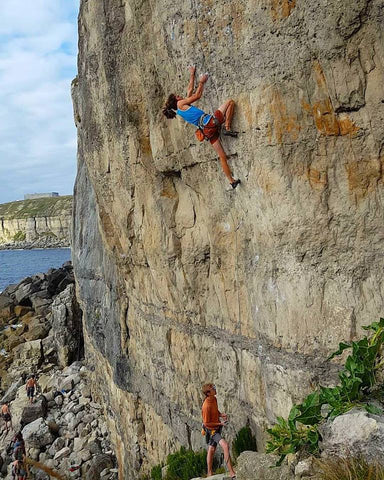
{"points": [[38, 46]]}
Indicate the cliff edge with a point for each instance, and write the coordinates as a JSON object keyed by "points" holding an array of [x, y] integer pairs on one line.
{"points": [[183, 282]]}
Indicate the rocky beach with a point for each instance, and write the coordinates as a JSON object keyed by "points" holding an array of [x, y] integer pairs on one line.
{"points": [[64, 429]]}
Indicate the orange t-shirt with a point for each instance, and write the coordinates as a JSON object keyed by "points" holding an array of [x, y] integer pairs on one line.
{"points": [[210, 412]]}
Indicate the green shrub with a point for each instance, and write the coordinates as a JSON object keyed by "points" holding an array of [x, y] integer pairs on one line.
{"points": [[300, 430], [244, 441], [156, 472], [19, 236], [186, 464], [349, 468]]}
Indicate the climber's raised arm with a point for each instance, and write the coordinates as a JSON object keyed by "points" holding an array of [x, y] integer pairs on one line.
{"points": [[191, 84], [195, 96]]}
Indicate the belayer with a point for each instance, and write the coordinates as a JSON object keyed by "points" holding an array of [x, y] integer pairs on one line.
{"points": [[213, 423], [208, 125]]}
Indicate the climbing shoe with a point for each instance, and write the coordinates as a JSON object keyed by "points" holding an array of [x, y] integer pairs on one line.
{"points": [[235, 183], [229, 133]]}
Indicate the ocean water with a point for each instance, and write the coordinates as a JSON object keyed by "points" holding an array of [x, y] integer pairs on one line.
{"points": [[18, 264]]}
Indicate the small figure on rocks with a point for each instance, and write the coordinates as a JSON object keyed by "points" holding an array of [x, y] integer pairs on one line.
{"points": [[30, 387], [6, 416], [212, 427], [18, 470], [208, 125]]}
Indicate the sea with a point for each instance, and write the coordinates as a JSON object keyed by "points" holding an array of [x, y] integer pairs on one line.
{"points": [[18, 264]]}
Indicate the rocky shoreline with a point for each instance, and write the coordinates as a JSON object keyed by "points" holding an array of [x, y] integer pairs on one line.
{"points": [[64, 429], [39, 243]]}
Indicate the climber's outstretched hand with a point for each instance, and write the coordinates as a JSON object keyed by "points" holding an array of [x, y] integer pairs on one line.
{"points": [[192, 69], [204, 78]]}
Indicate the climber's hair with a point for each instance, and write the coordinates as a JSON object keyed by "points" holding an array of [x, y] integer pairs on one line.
{"points": [[207, 388], [170, 106]]}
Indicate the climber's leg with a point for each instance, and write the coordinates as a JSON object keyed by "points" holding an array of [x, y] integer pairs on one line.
{"points": [[210, 454], [227, 109], [227, 459], [223, 159]]}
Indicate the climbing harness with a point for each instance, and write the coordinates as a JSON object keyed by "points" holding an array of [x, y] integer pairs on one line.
{"points": [[206, 131]]}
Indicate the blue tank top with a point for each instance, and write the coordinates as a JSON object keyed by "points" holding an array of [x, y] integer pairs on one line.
{"points": [[192, 115]]}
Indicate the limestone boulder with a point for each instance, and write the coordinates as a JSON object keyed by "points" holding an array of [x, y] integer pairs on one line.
{"points": [[37, 434], [32, 412], [356, 433], [257, 466], [67, 326], [99, 463]]}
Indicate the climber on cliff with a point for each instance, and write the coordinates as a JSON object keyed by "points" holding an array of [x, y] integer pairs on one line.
{"points": [[6, 416], [208, 125], [212, 427], [30, 387]]}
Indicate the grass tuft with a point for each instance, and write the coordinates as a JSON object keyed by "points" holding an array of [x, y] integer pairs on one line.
{"points": [[349, 469]]}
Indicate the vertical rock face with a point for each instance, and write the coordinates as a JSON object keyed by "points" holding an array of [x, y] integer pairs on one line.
{"points": [[182, 282]]}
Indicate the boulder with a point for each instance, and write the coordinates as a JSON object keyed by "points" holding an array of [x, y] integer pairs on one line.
{"points": [[257, 466], [356, 433], [100, 463], [10, 394], [64, 452], [67, 326], [37, 434], [33, 411], [28, 355], [25, 289]]}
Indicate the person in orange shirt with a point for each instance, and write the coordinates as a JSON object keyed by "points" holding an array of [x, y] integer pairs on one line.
{"points": [[6, 416], [30, 387], [212, 426]]}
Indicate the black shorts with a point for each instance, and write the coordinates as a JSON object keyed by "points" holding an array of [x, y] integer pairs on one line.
{"points": [[30, 392], [213, 436], [6, 417]]}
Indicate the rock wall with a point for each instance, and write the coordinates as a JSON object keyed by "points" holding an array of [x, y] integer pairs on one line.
{"points": [[36, 223], [182, 281]]}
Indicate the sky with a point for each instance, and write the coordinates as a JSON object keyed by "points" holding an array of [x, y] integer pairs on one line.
{"points": [[38, 48]]}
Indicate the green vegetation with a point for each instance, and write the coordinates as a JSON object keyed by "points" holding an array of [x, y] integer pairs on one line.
{"points": [[19, 236], [349, 468], [156, 472], [183, 465], [38, 207], [186, 464], [357, 378], [244, 441]]}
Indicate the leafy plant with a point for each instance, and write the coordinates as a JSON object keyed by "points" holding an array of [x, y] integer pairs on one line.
{"points": [[349, 468], [156, 473], [244, 441], [357, 377], [186, 464]]}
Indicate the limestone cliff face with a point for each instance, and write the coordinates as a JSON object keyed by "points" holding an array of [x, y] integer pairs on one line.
{"points": [[38, 222], [182, 282]]}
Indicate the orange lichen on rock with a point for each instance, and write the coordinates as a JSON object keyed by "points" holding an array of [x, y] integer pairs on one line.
{"points": [[282, 122], [327, 121], [364, 176], [282, 8], [318, 180]]}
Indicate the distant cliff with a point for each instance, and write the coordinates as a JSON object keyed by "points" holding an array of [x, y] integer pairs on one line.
{"points": [[37, 223]]}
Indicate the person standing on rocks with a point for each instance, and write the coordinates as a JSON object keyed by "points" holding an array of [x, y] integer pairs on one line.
{"points": [[208, 125], [18, 471], [212, 427], [30, 387], [6, 416]]}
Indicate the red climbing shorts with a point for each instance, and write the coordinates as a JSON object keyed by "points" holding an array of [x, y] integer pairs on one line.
{"points": [[211, 130]]}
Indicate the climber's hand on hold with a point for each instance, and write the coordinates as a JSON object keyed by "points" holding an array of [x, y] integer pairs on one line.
{"points": [[203, 78], [192, 69]]}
